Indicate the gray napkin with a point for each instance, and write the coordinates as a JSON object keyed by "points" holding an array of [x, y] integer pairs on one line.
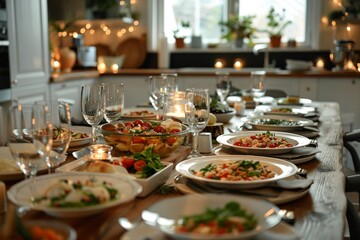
{"points": [[298, 152]]}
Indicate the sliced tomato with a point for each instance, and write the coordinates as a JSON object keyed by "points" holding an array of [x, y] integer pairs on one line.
{"points": [[138, 139], [159, 129], [171, 140], [127, 162], [129, 124], [116, 162], [139, 165], [138, 122], [148, 125]]}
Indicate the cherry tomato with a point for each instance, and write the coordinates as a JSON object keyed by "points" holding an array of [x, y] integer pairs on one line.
{"points": [[138, 122], [148, 125], [139, 165], [159, 129], [129, 124], [171, 140], [138, 139], [127, 162]]}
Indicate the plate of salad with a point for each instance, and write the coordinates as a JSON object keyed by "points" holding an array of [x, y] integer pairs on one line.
{"points": [[62, 195], [212, 216], [145, 168]]}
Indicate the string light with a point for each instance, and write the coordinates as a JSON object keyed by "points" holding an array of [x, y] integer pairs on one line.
{"points": [[92, 31]]}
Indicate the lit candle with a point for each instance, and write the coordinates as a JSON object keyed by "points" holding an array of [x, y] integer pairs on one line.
{"points": [[56, 66], [115, 68], [320, 63], [101, 67], [218, 64], [238, 64], [100, 152], [350, 65]]}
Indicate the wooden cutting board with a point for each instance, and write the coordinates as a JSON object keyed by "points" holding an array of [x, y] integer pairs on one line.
{"points": [[134, 50], [178, 155]]}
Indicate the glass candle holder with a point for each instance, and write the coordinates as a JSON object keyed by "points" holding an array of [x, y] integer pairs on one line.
{"points": [[100, 152], [174, 105]]}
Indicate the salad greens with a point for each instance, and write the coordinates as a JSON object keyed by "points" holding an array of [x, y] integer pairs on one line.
{"points": [[153, 163]]}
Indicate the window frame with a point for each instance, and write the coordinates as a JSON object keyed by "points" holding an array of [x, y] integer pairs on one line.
{"points": [[156, 26]]}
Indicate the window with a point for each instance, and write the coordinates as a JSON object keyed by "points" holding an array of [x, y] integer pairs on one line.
{"points": [[204, 17]]}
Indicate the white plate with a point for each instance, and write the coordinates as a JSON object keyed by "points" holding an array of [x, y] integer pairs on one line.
{"points": [[281, 168], [158, 215], [302, 101], [20, 193], [229, 139], [125, 114], [285, 196], [148, 184], [9, 170], [296, 111], [282, 231], [300, 123]]}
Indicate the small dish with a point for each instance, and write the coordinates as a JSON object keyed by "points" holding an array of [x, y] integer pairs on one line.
{"points": [[224, 117], [148, 184], [62, 229], [279, 123]]}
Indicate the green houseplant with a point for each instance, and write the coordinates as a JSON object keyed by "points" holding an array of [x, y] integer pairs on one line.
{"points": [[276, 25], [181, 34], [238, 29]]}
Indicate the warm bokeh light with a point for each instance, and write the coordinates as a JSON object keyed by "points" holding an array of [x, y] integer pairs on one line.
{"points": [[238, 64], [88, 26], [101, 67], [115, 68], [325, 20], [92, 31], [320, 63], [136, 22], [219, 63], [131, 29]]}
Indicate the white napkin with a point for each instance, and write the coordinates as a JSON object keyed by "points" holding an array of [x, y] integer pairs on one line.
{"points": [[293, 183], [282, 231]]}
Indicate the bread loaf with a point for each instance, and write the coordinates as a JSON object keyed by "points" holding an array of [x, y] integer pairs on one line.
{"points": [[100, 166]]}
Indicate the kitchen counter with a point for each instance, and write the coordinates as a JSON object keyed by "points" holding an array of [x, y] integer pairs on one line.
{"points": [[273, 72]]}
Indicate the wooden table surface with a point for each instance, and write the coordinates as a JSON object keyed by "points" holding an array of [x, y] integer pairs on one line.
{"points": [[319, 214]]}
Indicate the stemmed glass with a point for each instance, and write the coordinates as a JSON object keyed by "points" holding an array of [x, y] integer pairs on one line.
{"points": [[258, 84], [159, 86], [60, 118], [223, 85], [114, 101], [30, 139], [93, 105], [197, 108]]}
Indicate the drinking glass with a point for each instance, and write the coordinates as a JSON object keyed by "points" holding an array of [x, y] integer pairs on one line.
{"points": [[197, 108], [114, 101], [92, 105], [158, 87], [258, 84], [30, 139], [60, 118], [223, 85]]}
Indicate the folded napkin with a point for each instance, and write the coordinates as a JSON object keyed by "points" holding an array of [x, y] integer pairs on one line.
{"points": [[298, 152]]}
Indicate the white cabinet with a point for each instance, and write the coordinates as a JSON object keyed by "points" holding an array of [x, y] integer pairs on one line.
{"points": [[136, 90], [71, 91], [28, 48], [345, 91]]}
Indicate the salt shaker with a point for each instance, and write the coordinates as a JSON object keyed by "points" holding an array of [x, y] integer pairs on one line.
{"points": [[205, 142], [239, 107]]}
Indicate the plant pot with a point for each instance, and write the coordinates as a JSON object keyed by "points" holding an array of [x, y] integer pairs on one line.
{"points": [[275, 41], [239, 42], [180, 42], [67, 59]]}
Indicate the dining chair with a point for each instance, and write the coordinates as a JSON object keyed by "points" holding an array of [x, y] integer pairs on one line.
{"points": [[349, 138]]}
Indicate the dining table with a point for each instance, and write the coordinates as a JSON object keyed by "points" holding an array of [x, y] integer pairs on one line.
{"points": [[319, 214]]}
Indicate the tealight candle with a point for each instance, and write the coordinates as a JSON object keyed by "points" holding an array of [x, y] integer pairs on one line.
{"points": [[320, 63], [100, 152], [238, 65], [115, 68], [56, 66], [218, 64], [101, 67]]}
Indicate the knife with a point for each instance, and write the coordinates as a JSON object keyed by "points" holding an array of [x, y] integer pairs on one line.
{"points": [[81, 153]]}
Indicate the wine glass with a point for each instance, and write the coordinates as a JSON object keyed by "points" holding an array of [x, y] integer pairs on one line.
{"points": [[258, 84], [92, 105], [223, 85], [197, 108], [30, 139], [60, 118], [158, 87], [114, 101]]}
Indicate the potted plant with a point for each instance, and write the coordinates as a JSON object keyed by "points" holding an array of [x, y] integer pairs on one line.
{"points": [[276, 25], [238, 29], [181, 34]]}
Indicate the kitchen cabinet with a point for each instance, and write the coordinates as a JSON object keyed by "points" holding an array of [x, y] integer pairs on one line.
{"points": [[70, 91], [136, 90], [28, 49]]}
